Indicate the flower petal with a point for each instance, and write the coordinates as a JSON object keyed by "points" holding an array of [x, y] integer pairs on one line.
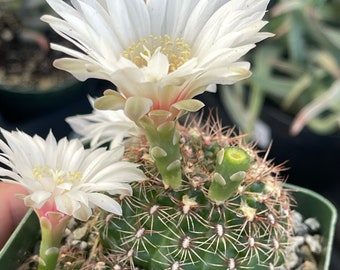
{"points": [[106, 203], [37, 199], [190, 105], [137, 107], [111, 100]]}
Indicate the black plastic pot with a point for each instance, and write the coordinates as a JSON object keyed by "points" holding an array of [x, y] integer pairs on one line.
{"points": [[17, 104], [313, 159]]}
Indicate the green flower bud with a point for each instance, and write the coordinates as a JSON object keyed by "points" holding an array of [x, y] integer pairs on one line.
{"points": [[231, 166]]}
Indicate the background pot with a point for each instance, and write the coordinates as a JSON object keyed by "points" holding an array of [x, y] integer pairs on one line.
{"points": [[310, 204], [16, 104], [313, 159]]}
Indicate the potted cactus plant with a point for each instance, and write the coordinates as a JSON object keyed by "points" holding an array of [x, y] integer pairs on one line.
{"points": [[176, 195], [196, 226], [210, 222]]}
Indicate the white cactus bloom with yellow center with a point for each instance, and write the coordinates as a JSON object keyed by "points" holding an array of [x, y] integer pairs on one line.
{"points": [[64, 177], [159, 53]]}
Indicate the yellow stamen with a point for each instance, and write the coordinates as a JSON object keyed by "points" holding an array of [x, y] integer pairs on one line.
{"points": [[177, 51], [59, 176]]}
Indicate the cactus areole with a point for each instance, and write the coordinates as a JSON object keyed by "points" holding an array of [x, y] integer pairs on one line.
{"points": [[230, 212]]}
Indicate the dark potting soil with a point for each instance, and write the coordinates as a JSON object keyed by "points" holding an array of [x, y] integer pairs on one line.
{"points": [[26, 61]]}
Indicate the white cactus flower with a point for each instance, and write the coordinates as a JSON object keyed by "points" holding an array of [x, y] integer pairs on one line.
{"points": [[63, 176], [103, 127], [159, 53]]}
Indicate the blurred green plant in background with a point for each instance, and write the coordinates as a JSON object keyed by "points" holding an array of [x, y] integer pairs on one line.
{"points": [[298, 69]]}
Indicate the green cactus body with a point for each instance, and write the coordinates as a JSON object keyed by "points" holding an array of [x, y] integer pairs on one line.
{"points": [[186, 228]]}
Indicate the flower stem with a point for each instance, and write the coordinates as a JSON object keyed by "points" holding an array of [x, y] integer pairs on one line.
{"points": [[52, 229], [165, 150]]}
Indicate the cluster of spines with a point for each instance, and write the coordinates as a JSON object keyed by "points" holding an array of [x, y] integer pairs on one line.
{"points": [[185, 229]]}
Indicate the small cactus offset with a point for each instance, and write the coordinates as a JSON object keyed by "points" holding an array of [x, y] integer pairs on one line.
{"points": [[231, 211]]}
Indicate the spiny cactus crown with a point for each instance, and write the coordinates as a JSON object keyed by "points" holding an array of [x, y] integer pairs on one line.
{"points": [[231, 211]]}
